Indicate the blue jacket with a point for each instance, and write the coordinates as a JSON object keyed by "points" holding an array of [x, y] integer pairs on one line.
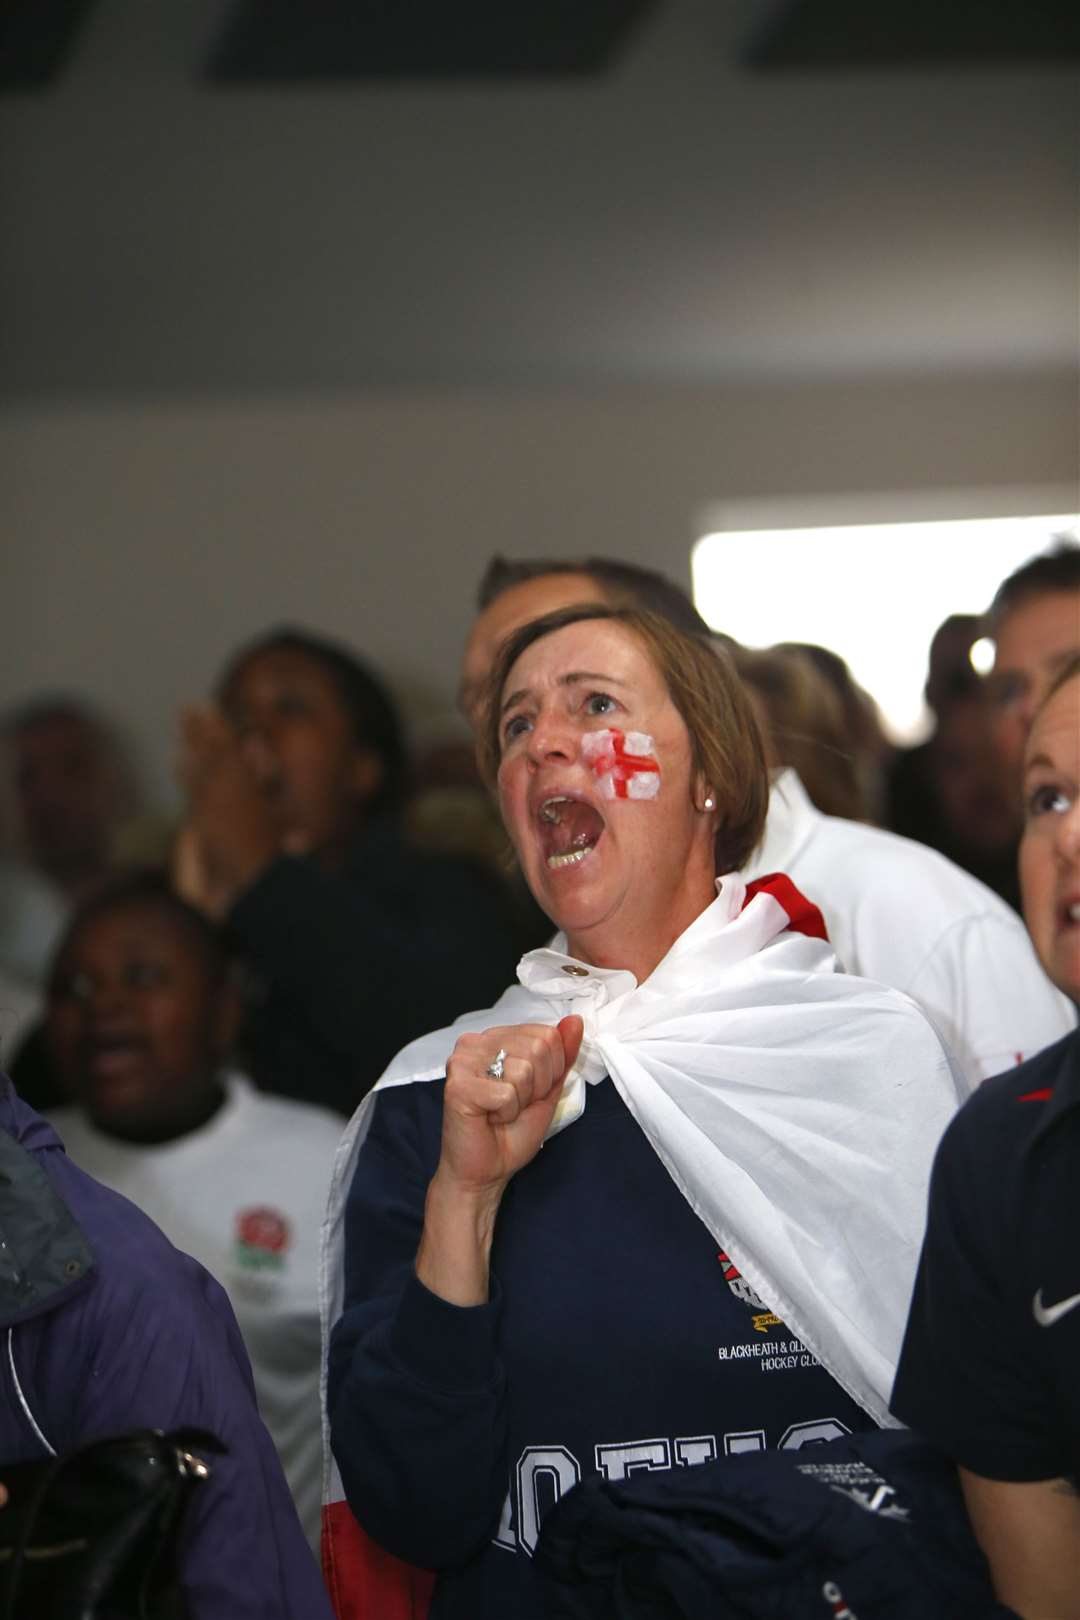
{"points": [[107, 1328]]}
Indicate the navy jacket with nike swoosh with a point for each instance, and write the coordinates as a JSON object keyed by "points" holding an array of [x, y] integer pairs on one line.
{"points": [[989, 1364]]}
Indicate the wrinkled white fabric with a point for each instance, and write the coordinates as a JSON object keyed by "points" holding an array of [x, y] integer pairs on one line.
{"points": [[796, 1108]]}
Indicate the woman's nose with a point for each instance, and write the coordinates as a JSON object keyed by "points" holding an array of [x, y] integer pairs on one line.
{"points": [[1068, 834], [257, 746], [552, 737], [105, 996]]}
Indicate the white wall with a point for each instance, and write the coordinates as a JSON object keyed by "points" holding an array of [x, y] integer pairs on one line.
{"points": [[315, 353], [142, 541]]}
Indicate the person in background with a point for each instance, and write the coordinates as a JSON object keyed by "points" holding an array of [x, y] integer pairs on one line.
{"points": [[73, 789], [948, 792], [803, 724], [74, 802], [107, 1328], [513, 590], [871, 750], [20, 1010], [141, 1017], [296, 780], [895, 911], [989, 1363], [1034, 623], [70, 788], [508, 1312]]}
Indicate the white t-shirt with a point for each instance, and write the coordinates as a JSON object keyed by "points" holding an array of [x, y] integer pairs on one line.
{"points": [[903, 914], [245, 1196]]}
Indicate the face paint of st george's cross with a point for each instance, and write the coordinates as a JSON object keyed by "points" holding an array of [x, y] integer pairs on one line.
{"points": [[624, 763]]}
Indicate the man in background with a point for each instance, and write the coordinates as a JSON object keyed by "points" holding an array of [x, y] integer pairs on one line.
{"points": [[1034, 623], [69, 789], [72, 789]]}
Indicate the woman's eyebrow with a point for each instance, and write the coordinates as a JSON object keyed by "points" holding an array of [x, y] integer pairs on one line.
{"points": [[590, 675]]}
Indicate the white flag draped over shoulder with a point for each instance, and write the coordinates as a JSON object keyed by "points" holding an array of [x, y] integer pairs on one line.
{"points": [[783, 1097]]}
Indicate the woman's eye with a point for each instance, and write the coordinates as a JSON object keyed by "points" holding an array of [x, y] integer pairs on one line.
{"points": [[515, 727], [599, 703], [290, 704], [1047, 799]]}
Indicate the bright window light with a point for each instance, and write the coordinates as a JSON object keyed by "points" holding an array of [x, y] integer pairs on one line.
{"points": [[874, 593]]}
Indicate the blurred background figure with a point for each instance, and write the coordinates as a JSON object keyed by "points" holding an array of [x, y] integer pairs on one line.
{"points": [[356, 942], [73, 789], [1034, 623], [140, 1022], [870, 749], [949, 792], [20, 1007], [77, 816], [451, 813], [804, 725]]}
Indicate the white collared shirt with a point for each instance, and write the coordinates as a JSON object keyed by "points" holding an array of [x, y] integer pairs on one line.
{"points": [[906, 916]]}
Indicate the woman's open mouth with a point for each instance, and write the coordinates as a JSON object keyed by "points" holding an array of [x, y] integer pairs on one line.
{"points": [[569, 830]]}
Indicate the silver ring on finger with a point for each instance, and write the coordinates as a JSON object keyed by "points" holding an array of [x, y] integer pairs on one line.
{"points": [[496, 1069]]}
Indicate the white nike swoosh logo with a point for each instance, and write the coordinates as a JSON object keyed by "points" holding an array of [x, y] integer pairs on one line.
{"points": [[1047, 1315]]}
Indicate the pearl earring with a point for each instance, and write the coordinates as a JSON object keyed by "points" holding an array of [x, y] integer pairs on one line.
{"points": [[710, 804]]}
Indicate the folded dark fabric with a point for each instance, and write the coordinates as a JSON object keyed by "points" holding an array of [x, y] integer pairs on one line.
{"points": [[871, 1527]]}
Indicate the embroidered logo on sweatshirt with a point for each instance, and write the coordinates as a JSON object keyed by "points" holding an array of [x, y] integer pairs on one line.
{"points": [[763, 1319], [262, 1239]]}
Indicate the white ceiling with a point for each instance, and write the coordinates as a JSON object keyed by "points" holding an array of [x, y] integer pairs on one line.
{"points": [[680, 221]]}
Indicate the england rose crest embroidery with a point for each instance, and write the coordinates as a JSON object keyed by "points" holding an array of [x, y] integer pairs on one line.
{"points": [[262, 1239]]}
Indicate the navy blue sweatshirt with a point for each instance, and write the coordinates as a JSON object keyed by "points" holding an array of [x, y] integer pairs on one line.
{"points": [[616, 1339]]}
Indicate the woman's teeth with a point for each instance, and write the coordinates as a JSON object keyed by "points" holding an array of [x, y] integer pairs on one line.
{"points": [[581, 830], [570, 858]]}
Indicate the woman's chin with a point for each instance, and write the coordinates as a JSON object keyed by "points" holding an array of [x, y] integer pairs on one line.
{"points": [[577, 900]]}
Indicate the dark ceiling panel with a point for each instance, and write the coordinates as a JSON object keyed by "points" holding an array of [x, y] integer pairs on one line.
{"points": [[35, 38], [283, 40], [903, 33]]}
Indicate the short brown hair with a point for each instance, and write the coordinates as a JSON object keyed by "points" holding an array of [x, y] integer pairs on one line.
{"points": [[1067, 673], [725, 742], [1050, 573], [621, 584]]}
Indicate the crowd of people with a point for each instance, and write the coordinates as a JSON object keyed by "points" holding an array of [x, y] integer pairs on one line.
{"points": [[761, 965]]}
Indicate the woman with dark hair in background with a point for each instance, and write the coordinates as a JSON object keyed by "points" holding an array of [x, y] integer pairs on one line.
{"points": [[356, 943], [715, 1251]]}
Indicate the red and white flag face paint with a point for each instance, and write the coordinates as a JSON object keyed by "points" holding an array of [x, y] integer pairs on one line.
{"points": [[623, 762]]}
